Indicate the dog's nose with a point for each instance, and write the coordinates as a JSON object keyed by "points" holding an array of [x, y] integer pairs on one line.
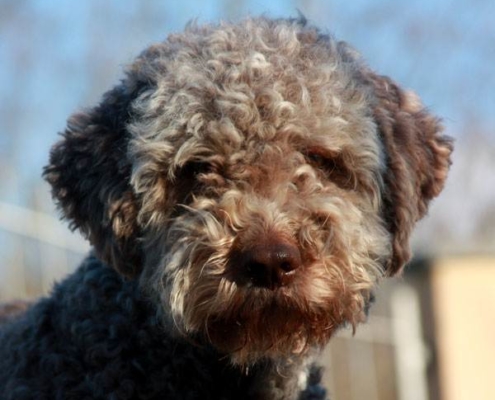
{"points": [[271, 265]]}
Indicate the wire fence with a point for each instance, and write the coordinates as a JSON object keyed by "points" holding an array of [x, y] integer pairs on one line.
{"points": [[37, 249], [387, 357]]}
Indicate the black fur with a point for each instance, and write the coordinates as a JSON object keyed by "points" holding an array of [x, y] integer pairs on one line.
{"points": [[96, 337]]}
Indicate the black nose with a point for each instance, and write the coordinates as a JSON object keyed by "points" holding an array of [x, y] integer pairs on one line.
{"points": [[270, 265]]}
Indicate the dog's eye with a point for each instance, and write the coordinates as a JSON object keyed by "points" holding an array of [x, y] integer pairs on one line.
{"points": [[319, 160], [187, 175], [325, 164], [192, 169], [186, 180], [333, 168]]}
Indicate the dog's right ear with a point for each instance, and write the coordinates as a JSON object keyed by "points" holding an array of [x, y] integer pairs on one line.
{"points": [[89, 172], [417, 155], [418, 158]]}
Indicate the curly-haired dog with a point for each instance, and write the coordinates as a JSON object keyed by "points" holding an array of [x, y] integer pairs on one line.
{"points": [[244, 188]]}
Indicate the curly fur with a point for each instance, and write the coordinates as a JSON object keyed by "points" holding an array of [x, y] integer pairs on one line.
{"points": [[222, 142]]}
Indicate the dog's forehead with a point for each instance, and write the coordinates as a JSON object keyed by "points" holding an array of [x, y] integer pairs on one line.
{"points": [[237, 90]]}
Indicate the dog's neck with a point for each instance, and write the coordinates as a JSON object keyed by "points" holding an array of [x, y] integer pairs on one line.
{"points": [[293, 380]]}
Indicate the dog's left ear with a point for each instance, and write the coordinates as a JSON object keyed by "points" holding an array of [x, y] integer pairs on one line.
{"points": [[417, 161], [89, 172]]}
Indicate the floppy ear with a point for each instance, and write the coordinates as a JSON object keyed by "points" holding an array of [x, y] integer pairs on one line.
{"points": [[89, 172], [417, 162]]}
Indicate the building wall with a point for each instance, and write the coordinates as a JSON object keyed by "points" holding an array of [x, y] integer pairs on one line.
{"points": [[464, 305]]}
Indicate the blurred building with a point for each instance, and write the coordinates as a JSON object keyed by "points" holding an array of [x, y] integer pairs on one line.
{"points": [[429, 337]]}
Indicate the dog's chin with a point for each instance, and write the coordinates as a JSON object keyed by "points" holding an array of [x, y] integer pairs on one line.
{"points": [[272, 332], [243, 348]]}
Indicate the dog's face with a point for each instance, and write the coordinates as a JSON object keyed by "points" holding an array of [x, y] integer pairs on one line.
{"points": [[257, 178]]}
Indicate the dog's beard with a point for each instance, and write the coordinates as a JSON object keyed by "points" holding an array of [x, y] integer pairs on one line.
{"points": [[249, 323], [258, 323]]}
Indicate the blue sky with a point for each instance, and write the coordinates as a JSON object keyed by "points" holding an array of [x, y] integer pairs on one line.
{"points": [[58, 56]]}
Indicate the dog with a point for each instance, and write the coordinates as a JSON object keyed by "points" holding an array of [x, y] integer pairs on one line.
{"points": [[244, 188]]}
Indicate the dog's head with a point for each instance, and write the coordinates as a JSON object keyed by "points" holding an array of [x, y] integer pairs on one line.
{"points": [[257, 178]]}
